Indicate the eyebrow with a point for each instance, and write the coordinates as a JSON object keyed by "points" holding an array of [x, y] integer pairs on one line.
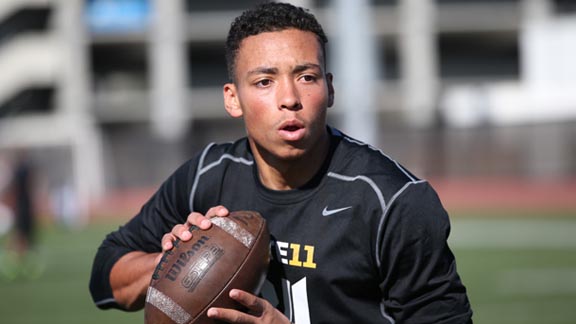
{"points": [[307, 66], [263, 70], [270, 70]]}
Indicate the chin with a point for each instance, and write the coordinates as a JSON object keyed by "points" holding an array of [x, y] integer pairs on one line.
{"points": [[292, 154]]}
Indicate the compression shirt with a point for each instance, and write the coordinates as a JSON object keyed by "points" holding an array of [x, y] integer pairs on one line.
{"points": [[364, 241]]}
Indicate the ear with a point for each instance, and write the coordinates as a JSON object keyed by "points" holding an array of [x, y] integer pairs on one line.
{"points": [[329, 78], [231, 102]]}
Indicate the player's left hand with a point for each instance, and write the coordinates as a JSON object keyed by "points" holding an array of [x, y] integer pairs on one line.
{"points": [[261, 311]]}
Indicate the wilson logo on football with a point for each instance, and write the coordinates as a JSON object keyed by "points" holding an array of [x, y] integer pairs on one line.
{"points": [[199, 269]]}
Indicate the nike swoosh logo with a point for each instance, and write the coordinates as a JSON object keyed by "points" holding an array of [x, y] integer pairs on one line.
{"points": [[328, 212]]}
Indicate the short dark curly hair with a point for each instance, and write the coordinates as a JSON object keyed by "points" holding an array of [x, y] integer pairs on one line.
{"points": [[269, 17]]}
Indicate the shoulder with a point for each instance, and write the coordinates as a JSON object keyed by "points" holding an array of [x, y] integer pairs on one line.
{"points": [[211, 156], [219, 166], [237, 151], [356, 160]]}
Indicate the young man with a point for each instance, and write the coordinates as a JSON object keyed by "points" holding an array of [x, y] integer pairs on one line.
{"points": [[356, 237]]}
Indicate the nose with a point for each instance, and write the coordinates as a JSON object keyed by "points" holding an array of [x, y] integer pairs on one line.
{"points": [[288, 96]]}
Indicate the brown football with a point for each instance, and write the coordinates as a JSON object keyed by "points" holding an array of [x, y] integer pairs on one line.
{"points": [[198, 274]]}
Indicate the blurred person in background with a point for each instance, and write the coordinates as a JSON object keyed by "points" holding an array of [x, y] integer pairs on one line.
{"points": [[373, 236], [6, 214], [20, 259]]}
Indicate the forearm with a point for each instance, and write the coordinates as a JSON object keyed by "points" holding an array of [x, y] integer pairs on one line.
{"points": [[130, 277]]}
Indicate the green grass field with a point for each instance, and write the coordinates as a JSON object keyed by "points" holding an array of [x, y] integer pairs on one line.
{"points": [[516, 271]]}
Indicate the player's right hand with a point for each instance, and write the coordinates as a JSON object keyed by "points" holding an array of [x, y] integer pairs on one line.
{"points": [[182, 231]]}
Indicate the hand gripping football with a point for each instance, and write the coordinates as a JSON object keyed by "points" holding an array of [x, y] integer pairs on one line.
{"points": [[198, 274]]}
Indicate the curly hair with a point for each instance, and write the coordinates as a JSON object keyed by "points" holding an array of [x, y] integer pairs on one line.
{"points": [[269, 17]]}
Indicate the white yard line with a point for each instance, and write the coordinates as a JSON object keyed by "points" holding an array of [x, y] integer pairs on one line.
{"points": [[513, 233], [544, 281]]}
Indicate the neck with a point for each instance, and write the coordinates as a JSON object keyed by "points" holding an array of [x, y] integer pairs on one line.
{"points": [[285, 174]]}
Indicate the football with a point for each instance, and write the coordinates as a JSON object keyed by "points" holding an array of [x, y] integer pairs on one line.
{"points": [[198, 274]]}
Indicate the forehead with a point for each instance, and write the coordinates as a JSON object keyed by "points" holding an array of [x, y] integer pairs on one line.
{"points": [[279, 47]]}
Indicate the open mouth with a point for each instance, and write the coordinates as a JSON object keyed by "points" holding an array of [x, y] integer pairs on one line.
{"points": [[291, 128]]}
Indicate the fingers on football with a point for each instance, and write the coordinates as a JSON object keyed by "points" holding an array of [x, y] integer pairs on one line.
{"points": [[231, 316], [234, 316], [167, 240], [182, 231], [203, 221], [217, 211], [253, 303], [260, 311]]}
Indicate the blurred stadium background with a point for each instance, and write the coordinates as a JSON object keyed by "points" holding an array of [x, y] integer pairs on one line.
{"points": [[107, 97]]}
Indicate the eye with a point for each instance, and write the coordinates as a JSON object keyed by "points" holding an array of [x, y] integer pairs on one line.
{"points": [[263, 83], [308, 78]]}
